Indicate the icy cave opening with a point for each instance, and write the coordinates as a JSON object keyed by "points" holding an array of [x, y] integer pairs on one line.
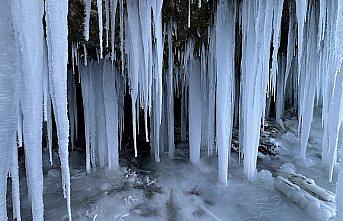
{"points": [[171, 110]]}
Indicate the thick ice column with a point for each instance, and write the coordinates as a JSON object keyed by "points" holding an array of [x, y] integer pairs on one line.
{"points": [[157, 78], [57, 39], [225, 50], [194, 115], [170, 94], [8, 93], [307, 80], [84, 72], [111, 114], [211, 93], [100, 115], [27, 22], [256, 31], [280, 94]]}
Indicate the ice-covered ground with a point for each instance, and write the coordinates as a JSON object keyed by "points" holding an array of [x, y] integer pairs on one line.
{"points": [[179, 190]]}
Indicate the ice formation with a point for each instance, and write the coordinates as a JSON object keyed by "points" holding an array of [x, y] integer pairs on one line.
{"points": [[231, 80], [225, 38]]}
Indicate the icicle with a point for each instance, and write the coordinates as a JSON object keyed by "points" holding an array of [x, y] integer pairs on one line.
{"points": [[70, 108], [225, 38], [84, 72], [121, 5], [14, 170], [57, 39], [47, 100], [88, 14], [99, 5], [85, 53], [170, 94], [107, 14], [9, 85], [332, 65], [278, 6], [194, 110], [301, 11], [27, 22], [113, 25], [111, 110], [189, 13], [135, 51], [280, 95], [290, 41], [257, 31], [322, 21], [145, 20], [307, 81], [157, 67]]}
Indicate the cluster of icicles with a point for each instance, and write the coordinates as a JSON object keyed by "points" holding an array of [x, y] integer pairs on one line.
{"points": [[213, 96]]}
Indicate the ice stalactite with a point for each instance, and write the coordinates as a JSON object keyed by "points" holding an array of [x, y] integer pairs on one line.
{"points": [[301, 11], [107, 18], [72, 105], [88, 4], [278, 6], [47, 101], [147, 74], [189, 13], [113, 4], [111, 114], [135, 52], [121, 33], [57, 41], [290, 40], [211, 70], [100, 101], [225, 50], [195, 104], [27, 22], [332, 64], [14, 171], [170, 93], [100, 115], [99, 6], [85, 84], [256, 35], [157, 75], [9, 85], [280, 94], [307, 80]]}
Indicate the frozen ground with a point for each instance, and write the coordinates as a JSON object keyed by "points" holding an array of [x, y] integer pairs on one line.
{"points": [[179, 190]]}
